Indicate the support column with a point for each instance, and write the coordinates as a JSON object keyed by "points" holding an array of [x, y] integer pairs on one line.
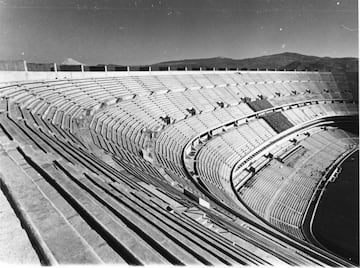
{"points": [[55, 67], [82, 68], [25, 66], [105, 68]]}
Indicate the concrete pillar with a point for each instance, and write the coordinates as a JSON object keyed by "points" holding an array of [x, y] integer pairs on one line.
{"points": [[284, 70], [55, 67], [257, 69], [214, 69], [185, 68], [25, 66], [168, 68], [237, 69], [149, 69], [200, 69], [226, 69], [82, 68], [128, 68], [105, 68]]}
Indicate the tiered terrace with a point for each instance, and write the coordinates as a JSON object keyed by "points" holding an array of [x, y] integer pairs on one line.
{"points": [[147, 126]]}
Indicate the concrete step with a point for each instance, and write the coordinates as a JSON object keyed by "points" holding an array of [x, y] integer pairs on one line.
{"points": [[15, 246], [60, 243]]}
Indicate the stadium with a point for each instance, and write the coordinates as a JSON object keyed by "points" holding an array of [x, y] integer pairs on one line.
{"points": [[107, 164]]}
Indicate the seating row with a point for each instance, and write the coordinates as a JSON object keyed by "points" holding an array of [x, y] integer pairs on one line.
{"points": [[281, 191]]}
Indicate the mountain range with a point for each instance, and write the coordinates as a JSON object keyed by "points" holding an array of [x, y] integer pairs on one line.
{"points": [[283, 61]]}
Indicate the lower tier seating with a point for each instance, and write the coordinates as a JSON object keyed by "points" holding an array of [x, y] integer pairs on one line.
{"points": [[101, 211], [281, 191]]}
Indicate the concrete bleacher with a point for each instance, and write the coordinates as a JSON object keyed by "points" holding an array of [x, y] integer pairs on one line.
{"points": [[14, 242], [206, 121], [73, 192], [291, 183], [134, 208]]}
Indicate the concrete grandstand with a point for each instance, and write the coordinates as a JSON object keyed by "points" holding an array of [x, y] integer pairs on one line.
{"points": [[170, 167]]}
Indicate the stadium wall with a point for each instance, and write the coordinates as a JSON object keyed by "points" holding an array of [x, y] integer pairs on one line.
{"points": [[12, 76]]}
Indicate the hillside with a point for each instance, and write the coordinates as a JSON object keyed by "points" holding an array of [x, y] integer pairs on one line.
{"points": [[287, 60]]}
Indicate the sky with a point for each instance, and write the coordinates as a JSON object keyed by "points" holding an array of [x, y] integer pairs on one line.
{"points": [[132, 32]]}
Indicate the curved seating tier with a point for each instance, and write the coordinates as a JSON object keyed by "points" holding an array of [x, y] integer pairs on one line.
{"points": [[202, 92], [217, 158], [280, 191], [103, 197], [99, 211]]}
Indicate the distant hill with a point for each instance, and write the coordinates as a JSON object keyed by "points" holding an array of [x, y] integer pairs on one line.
{"points": [[284, 61], [287, 60]]}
